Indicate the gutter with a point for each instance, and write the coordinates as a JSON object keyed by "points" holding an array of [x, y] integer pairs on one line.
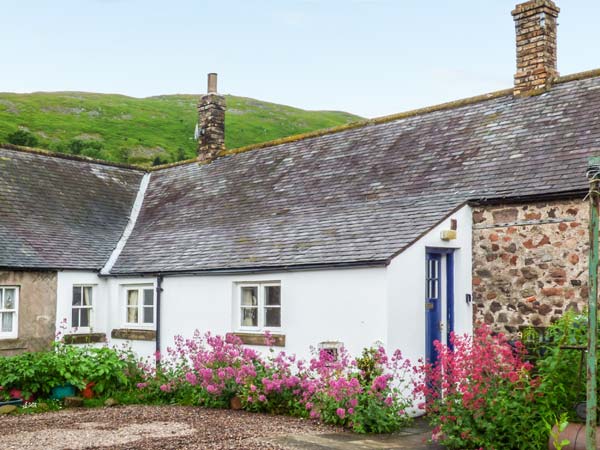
{"points": [[512, 199], [253, 270]]}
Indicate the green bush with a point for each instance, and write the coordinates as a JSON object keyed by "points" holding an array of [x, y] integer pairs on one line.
{"points": [[39, 372], [22, 137]]}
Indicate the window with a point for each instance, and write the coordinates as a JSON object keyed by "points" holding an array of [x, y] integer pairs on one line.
{"points": [[81, 312], [433, 278], [260, 306], [139, 306], [332, 348], [9, 304]]}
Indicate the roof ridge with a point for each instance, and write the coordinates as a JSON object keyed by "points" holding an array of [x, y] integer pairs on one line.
{"points": [[51, 154], [311, 134], [397, 116]]}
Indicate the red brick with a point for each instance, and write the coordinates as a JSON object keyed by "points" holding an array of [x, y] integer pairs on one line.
{"points": [[552, 291]]}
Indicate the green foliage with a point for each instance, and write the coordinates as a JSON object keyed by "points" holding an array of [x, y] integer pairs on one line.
{"points": [[562, 369], [22, 137], [126, 129], [37, 373], [560, 424]]}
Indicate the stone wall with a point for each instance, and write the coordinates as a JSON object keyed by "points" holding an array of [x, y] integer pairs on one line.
{"points": [[529, 263], [37, 310]]}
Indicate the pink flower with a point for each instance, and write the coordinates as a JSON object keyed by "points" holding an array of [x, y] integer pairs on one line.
{"points": [[191, 378], [341, 412], [350, 411], [142, 385], [262, 398]]}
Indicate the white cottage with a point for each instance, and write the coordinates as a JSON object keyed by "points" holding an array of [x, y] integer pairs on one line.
{"points": [[348, 236]]}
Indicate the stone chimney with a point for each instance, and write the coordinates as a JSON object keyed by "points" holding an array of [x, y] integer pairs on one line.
{"points": [[211, 122], [535, 23]]}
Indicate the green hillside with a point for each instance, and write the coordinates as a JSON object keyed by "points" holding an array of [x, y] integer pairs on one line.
{"points": [[144, 131]]}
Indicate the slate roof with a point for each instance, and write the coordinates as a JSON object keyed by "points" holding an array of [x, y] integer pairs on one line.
{"points": [[61, 213], [366, 193]]}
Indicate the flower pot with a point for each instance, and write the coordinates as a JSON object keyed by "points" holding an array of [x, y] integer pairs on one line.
{"points": [[87, 392], [18, 394], [235, 403], [60, 392]]}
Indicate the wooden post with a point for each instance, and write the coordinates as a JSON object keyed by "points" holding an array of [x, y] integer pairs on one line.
{"points": [[591, 401]]}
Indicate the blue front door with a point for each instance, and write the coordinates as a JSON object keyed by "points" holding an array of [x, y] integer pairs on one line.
{"points": [[433, 304], [439, 299]]}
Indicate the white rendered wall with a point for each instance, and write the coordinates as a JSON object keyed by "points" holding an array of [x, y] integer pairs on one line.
{"points": [[64, 299], [116, 317], [406, 287], [327, 305]]}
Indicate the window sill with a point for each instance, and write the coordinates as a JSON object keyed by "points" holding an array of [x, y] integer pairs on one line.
{"points": [[84, 338], [133, 334], [278, 340]]}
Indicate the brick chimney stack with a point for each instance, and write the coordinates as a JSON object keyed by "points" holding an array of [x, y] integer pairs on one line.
{"points": [[535, 23], [211, 122]]}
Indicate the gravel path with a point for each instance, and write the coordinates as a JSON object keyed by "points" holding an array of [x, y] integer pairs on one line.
{"points": [[151, 427]]}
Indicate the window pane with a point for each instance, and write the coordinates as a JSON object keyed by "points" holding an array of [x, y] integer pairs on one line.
{"points": [[85, 317], [249, 296], [272, 295], [148, 297], [148, 314], [250, 317], [132, 298], [76, 295], [87, 296], [75, 317], [132, 314], [7, 322], [9, 299], [273, 317]]}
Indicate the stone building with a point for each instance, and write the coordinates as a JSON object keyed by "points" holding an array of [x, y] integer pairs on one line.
{"points": [[400, 229]]}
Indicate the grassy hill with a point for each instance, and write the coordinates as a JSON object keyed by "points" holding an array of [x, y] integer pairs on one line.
{"points": [[154, 129]]}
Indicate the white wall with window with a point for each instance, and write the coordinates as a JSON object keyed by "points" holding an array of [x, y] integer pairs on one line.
{"points": [[9, 312], [308, 307], [132, 306], [81, 302]]}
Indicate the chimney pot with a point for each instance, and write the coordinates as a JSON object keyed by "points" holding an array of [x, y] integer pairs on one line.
{"points": [[211, 122], [212, 83]]}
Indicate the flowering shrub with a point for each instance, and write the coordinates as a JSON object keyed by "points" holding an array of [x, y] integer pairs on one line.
{"points": [[364, 394], [482, 395]]}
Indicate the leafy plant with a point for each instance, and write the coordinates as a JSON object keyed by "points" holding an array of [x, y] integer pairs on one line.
{"points": [[482, 395], [22, 137], [555, 430]]}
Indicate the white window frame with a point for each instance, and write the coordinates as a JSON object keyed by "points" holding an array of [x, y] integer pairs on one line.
{"points": [[140, 288], [261, 307], [90, 326], [14, 334]]}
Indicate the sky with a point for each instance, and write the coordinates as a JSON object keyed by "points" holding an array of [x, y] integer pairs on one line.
{"points": [[367, 57]]}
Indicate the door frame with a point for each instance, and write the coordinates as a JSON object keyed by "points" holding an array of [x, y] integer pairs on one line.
{"points": [[447, 284]]}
